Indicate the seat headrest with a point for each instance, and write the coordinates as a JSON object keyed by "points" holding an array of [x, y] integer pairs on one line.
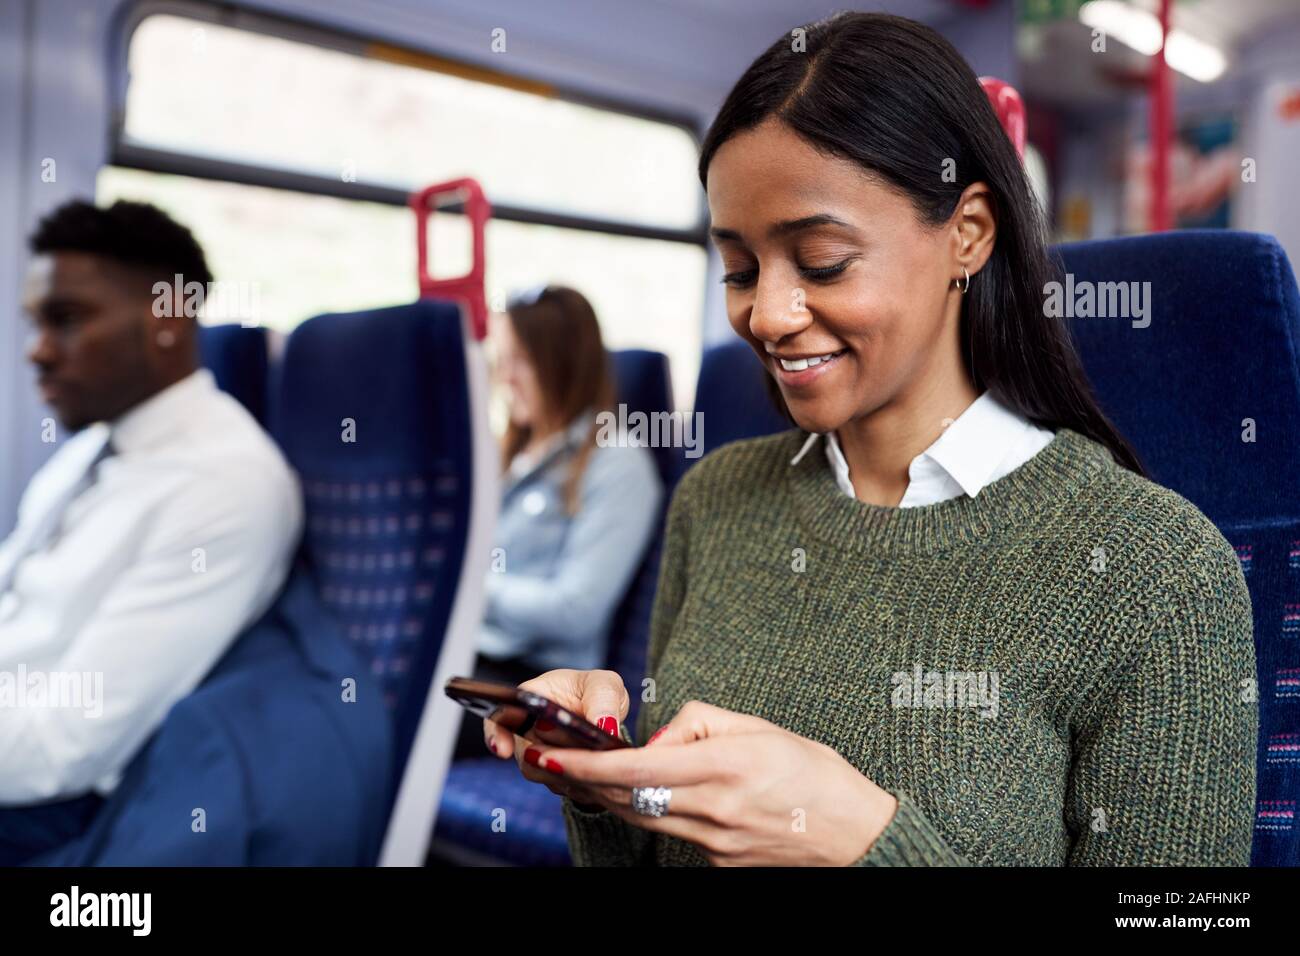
{"points": [[1216, 343], [397, 373], [733, 397], [644, 384], [237, 358]]}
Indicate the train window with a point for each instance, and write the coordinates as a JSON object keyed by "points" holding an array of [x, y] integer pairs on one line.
{"points": [[301, 254], [215, 113], [202, 88]]}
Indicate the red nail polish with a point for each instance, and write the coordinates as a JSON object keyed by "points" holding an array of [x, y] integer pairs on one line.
{"points": [[544, 724], [655, 735], [491, 743], [533, 756], [609, 725], [553, 766]]}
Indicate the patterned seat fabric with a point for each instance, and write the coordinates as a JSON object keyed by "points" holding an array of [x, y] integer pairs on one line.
{"points": [[372, 411], [489, 809], [1206, 386], [1270, 560]]}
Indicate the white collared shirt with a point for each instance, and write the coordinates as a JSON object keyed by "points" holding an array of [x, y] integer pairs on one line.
{"points": [[167, 550], [986, 442]]}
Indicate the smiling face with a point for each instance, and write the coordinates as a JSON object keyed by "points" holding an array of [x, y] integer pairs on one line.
{"points": [[824, 260]]}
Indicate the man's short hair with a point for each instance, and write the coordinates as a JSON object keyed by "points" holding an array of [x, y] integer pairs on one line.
{"points": [[134, 234]]}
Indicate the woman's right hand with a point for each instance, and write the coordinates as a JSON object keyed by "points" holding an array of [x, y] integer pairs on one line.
{"points": [[599, 696]]}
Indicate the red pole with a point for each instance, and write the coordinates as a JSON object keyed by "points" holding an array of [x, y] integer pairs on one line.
{"points": [[1162, 128]]}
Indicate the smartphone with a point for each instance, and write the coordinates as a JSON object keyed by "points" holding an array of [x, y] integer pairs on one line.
{"points": [[519, 711]]}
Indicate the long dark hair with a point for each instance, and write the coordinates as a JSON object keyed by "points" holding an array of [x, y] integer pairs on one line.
{"points": [[558, 331], [895, 97]]}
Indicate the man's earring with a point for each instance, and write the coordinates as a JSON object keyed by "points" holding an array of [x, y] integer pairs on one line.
{"points": [[166, 338]]}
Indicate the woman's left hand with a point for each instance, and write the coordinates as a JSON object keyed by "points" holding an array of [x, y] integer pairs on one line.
{"points": [[744, 791]]}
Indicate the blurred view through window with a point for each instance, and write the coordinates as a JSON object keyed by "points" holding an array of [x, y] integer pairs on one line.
{"points": [[202, 90]]}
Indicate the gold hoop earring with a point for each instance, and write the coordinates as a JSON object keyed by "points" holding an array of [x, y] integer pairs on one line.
{"points": [[962, 287]]}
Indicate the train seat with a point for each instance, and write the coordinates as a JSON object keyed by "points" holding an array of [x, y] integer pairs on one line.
{"points": [[478, 789], [644, 385], [732, 396], [237, 356], [385, 446], [1206, 387]]}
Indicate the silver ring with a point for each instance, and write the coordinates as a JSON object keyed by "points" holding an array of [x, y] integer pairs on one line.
{"points": [[651, 801]]}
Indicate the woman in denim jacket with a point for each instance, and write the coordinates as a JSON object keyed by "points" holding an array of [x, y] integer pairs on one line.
{"points": [[576, 516]]}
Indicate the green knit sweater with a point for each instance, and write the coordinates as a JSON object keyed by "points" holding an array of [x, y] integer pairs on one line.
{"points": [[1055, 672]]}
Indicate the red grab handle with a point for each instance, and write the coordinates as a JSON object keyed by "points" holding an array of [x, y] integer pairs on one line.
{"points": [[1010, 109], [469, 287]]}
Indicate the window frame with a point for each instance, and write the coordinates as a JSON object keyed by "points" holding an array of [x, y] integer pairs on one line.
{"points": [[122, 152]]}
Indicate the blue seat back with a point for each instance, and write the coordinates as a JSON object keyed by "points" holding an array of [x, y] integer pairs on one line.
{"points": [[644, 383], [237, 358], [732, 395], [1221, 351], [371, 409], [734, 402]]}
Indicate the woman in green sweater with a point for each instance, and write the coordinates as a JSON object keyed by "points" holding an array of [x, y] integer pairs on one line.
{"points": [[947, 621]]}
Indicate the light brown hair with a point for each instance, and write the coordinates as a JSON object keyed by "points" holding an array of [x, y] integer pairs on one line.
{"points": [[560, 335]]}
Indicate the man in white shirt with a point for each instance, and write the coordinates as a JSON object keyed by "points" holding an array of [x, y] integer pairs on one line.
{"points": [[153, 536]]}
